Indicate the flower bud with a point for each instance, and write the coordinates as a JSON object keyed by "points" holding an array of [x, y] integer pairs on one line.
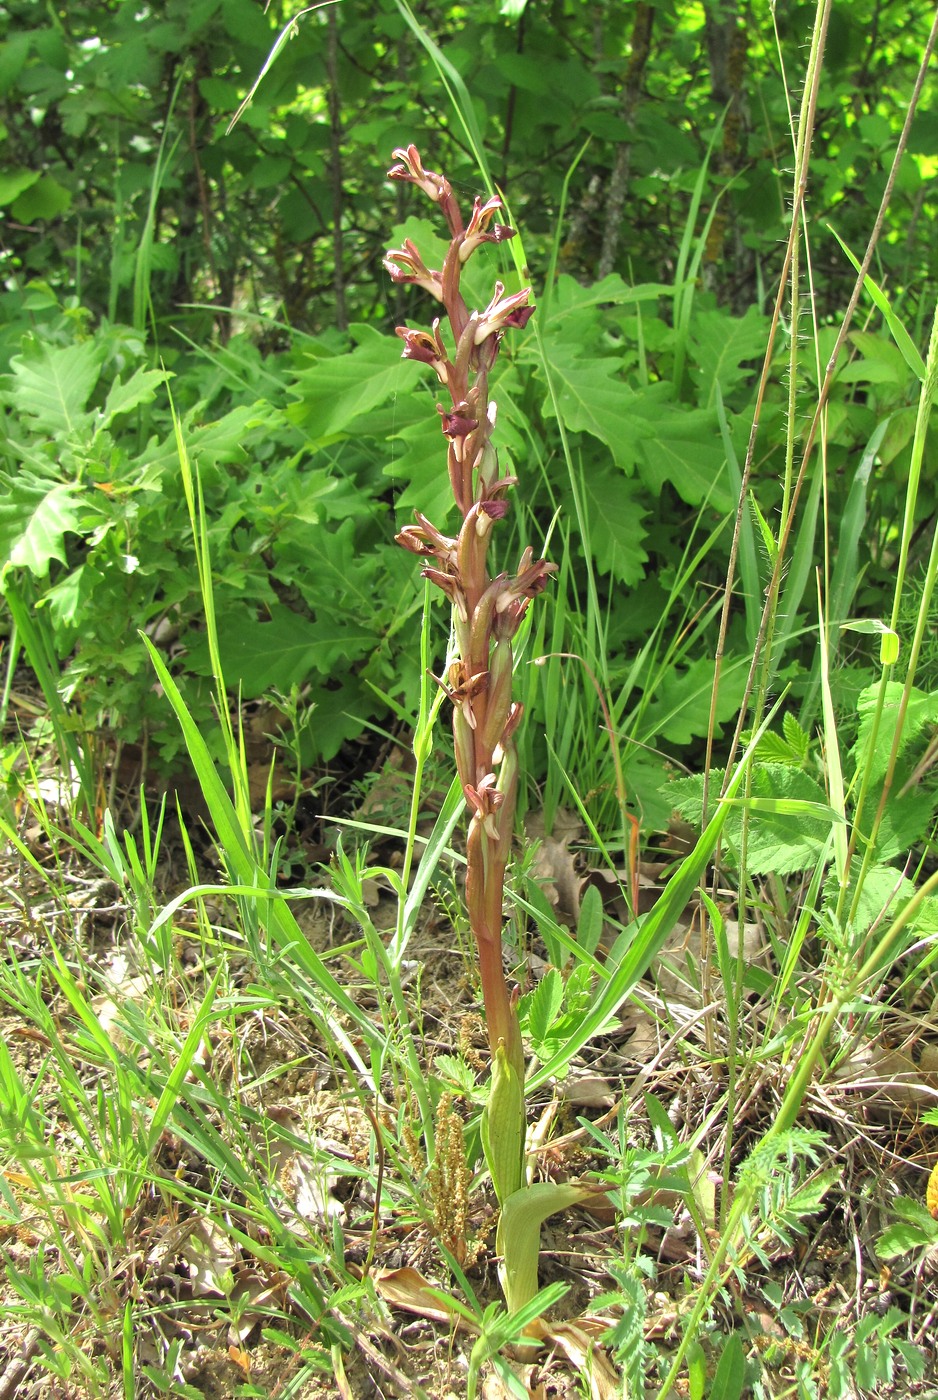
{"points": [[498, 696], [464, 744]]}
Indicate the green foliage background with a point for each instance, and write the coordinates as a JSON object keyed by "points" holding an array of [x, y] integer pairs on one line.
{"points": [[645, 153]]}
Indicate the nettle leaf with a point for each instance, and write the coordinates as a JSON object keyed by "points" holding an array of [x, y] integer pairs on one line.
{"points": [[922, 710], [34, 520], [908, 816], [780, 842], [884, 888], [611, 502], [54, 384], [335, 392]]}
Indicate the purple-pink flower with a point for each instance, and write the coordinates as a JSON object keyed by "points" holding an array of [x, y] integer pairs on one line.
{"points": [[434, 186], [478, 230], [503, 312], [405, 265]]}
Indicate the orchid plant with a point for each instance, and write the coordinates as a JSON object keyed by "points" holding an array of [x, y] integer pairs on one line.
{"points": [[487, 611]]}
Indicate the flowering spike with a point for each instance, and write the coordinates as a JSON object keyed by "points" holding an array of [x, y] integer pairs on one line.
{"points": [[486, 610]]}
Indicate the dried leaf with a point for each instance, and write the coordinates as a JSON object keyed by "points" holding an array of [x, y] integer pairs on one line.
{"points": [[258, 1293], [579, 1343], [888, 1075], [209, 1256], [240, 1358], [408, 1290], [589, 1090], [309, 1188], [554, 866], [931, 1192]]}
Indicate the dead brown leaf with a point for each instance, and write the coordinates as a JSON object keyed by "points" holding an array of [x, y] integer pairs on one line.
{"points": [[554, 866], [408, 1290]]}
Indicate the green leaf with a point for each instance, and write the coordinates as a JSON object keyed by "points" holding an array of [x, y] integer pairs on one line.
{"points": [[615, 518], [922, 710], [592, 398], [285, 649], [896, 329], [888, 639], [546, 1000], [46, 199], [140, 388], [653, 929], [720, 346], [338, 390], [572, 297], [53, 385], [416, 466], [696, 1371], [14, 182], [884, 888], [798, 738], [730, 1375], [589, 927], [681, 707], [905, 1236], [546, 919], [779, 842], [695, 467], [34, 520]]}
